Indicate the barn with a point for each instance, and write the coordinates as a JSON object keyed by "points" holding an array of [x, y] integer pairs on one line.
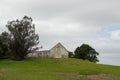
{"points": [[58, 51]]}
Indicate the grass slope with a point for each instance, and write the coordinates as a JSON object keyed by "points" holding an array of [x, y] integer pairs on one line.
{"points": [[56, 69]]}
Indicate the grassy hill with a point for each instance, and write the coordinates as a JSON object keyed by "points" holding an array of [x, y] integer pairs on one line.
{"points": [[57, 69]]}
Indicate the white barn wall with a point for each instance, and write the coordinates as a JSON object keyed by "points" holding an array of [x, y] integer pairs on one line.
{"points": [[58, 52]]}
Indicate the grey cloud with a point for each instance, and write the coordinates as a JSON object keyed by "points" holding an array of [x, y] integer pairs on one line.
{"points": [[71, 22], [92, 12]]}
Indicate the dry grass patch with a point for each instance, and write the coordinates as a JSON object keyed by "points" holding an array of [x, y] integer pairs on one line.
{"points": [[103, 77]]}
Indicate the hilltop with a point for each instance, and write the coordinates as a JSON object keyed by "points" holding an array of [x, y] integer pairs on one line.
{"points": [[57, 69]]}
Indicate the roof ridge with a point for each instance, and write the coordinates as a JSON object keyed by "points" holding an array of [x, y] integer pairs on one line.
{"points": [[60, 44]]}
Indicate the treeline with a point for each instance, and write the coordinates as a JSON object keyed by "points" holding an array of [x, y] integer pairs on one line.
{"points": [[19, 40]]}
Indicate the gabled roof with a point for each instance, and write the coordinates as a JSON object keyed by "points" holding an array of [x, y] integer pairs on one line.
{"points": [[51, 48], [61, 45]]}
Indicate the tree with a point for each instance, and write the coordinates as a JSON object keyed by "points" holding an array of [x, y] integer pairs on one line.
{"points": [[23, 38], [86, 52], [4, 44], [1, 53], [70, 54]]}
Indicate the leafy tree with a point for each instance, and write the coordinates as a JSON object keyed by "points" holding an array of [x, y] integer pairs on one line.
{"points": [[23, 37], [4, 44], [1, 53], [86, 52], [70, 54]]}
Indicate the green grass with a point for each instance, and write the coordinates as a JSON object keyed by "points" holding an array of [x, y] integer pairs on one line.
{"points": [[53, 69]]}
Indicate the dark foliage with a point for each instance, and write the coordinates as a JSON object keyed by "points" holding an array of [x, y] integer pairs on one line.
{"points": [[23, 38], [86, 52], [4, 44], [70, 54]]}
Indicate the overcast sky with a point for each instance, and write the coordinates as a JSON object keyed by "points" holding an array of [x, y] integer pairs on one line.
{"points": [[71, 22]]}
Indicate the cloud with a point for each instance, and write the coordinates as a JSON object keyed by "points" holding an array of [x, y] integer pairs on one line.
{"points": [[85, 11], [115, 35], [71, 22], [62, 27]]}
